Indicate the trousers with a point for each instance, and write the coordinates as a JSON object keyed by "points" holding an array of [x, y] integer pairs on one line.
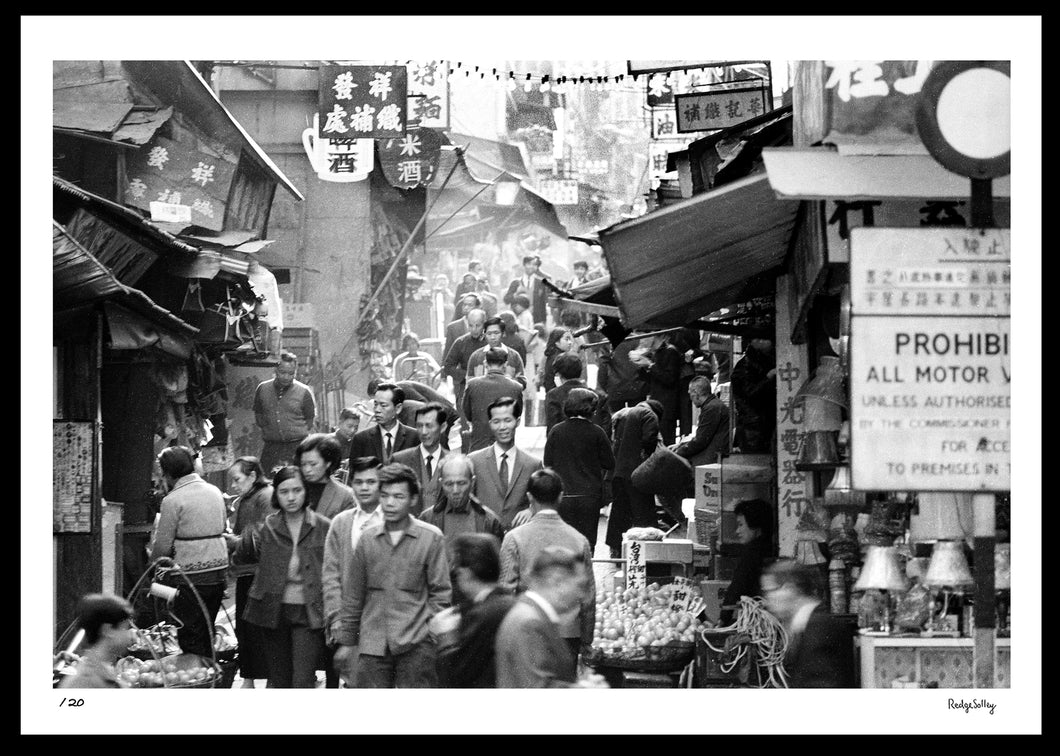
{"points": [[583, 514], [293, 649], [196, 635], [414, 668]]}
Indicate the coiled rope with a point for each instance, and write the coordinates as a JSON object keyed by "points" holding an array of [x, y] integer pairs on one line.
{"points": [[764, 633]]}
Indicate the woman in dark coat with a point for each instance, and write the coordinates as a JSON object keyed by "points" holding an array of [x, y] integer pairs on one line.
{"points": [[754, 531], [287, 596], [580, 452]]}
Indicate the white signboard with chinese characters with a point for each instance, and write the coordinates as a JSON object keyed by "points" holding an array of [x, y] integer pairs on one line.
{"points": [[706, 111], [560, 191], [681, 594], [930, 359], [338, 160], [663, 123], [794, 488], [169, 213], [72, 478], [636, 565], [427, 80]]}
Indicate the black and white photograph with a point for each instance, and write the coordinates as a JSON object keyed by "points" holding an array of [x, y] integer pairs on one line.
{"points": [[490, 358]]}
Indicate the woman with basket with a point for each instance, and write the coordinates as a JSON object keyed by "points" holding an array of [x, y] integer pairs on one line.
{"points": [[286, 598], [252, 505]]}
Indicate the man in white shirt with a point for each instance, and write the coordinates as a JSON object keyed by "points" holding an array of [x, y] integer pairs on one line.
{"points": [[432, 423], [345, 530], [494, 330]]}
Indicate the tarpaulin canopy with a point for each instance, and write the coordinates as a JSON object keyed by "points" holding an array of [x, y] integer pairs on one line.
{"points": [[675, 265]]}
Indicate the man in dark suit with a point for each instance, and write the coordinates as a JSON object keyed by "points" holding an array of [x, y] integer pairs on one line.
{"points": [[457, 509], [820, 646], [530, 653], [664, 383], [388, 435], [502, 472], [474, 567], [480, 394], [456, 359], [634, 436], [432, 424], [458, 327], [530, 284], [712, 429]]}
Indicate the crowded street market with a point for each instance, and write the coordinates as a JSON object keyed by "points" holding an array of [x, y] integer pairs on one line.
{"points": [[480, 373]]}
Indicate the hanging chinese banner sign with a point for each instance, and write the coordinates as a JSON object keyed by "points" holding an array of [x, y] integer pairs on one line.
{"points": [[663, 123], [539, 145], [428, 83], [660, 90], [359, 102], [178, 174], [706, 111], [410, 161], [869, 103]]}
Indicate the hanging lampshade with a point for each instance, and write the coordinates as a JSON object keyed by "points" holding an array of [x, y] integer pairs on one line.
{"points": [[941, 516], [818, 452], [823, 396], [882, 571], [839, 492], [948, 567]]}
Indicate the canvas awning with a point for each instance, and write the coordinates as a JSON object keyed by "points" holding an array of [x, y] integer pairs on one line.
{"points": [[119, 122], [675, 265]]}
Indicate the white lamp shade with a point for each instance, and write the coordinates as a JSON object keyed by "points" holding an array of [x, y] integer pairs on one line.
{"points": [[948, 567], [882, 571]]}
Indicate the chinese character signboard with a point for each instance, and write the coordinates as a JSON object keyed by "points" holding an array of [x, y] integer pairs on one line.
{"points": [[173, 173], [663, 123], [930, 359], [428, 83], [705, 111], [869, 103], [636, 566], [360, 102], [660, 90], [72, 479], [339, 159], [559, 191], [794, 487], [410, 161]]}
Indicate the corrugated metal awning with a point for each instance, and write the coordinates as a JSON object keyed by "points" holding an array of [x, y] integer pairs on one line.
{"points": [[78, 278], [675, 265]]}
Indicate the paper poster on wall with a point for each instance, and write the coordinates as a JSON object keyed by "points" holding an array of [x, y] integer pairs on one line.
{"points": [[72, 479]]}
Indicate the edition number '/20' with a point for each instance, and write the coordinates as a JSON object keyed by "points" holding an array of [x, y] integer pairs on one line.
{"points": [[72, 702]]}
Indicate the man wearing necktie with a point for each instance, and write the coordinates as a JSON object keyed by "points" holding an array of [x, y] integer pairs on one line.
{"points": [[502, 471], [432, 424], [388, 435], [530, 285]]}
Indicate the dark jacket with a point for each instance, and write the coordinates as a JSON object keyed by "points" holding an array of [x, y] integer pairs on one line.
{"points": [[822, 655], [634, 436], [538, 299], [712, 434], [621, 379], [249, 512], [555, 398], [369, 442], [486, 521], [581, 454], [470, 662], [271, 547], [478, 395], [746, 576]]}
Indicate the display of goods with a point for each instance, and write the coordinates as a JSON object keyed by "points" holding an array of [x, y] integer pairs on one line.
{"points": [[636, 626], [643, 534], [155, 641], [176, 671]]}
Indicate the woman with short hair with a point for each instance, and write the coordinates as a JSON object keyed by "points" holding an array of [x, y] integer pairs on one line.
{"points": [[286, 598]]}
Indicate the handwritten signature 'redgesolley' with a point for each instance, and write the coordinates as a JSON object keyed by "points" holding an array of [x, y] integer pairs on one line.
{"points": [[977, 703]]}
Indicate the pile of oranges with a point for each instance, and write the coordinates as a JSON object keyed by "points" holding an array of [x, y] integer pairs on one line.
{"points": [[630, 621]]}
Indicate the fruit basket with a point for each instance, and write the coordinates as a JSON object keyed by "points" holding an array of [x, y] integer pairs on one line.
{"points": [[175, 671], [668, 657]]}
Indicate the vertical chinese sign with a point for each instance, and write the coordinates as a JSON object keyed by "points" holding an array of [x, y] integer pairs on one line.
{"points": [[363, 102], [428, 87], [794, 488]]}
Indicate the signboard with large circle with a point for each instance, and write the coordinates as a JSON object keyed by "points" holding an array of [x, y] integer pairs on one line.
{"points": [[964, 117]]}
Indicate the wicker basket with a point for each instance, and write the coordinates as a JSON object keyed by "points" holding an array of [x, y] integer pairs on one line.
{"points": [[668, 658], [177, 662]]}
